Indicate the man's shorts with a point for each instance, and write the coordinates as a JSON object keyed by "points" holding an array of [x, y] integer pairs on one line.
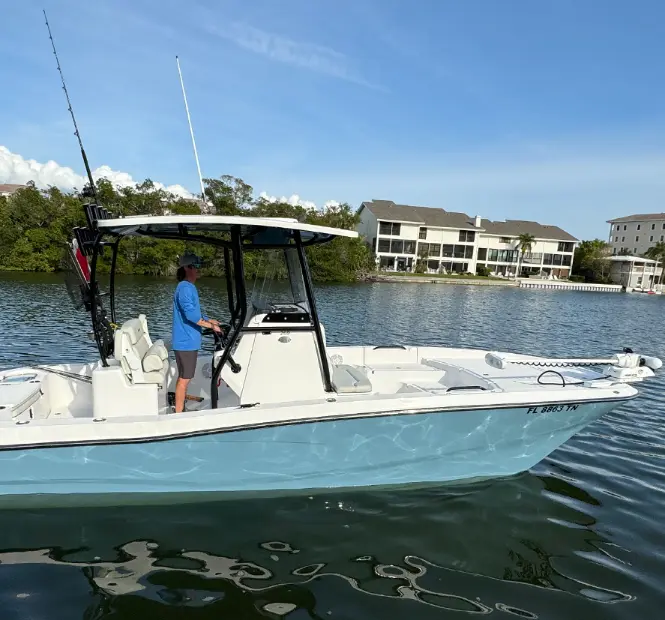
{"points": [[186, 362]]}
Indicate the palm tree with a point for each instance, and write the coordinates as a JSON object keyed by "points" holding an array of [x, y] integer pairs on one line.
{"points": [[524, 244], [657, 253]]}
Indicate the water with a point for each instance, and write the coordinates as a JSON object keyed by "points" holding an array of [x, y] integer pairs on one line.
{"points": [[579, 536]]}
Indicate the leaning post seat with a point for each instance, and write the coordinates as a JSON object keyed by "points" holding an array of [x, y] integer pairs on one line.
{"points": [[141, 360], [131, 386]]}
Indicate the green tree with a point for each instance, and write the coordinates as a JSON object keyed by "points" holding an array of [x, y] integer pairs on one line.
{"points": [[35, 225], [657, 253], [229, 195], [591, 259], [524, 244], [421, 261]]}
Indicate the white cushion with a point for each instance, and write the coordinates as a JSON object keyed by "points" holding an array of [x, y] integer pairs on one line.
{"points": [[154, 358], [348, 379]]}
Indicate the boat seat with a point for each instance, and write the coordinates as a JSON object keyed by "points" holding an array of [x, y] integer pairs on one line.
{"points": [[18, 394], [348, 379], [141, 360]]}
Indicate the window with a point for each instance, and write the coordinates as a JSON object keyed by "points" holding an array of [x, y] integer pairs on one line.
{"points": [[384, 245], [634, 250], [651, 238], [617, 227], [459, 251], [482, 253], [504, 240], [468, 253], [637, 238], [467, 236], [653, 227], [447, 250], [567, 260], [435, 249], [422, 234], [623, 239], [662, 238], [409, 247], [396, 246], [616, 239], [390, 228], [492, 255], [625, 227], [638, 226], [663, 226], [565, 247], [614, 251]]}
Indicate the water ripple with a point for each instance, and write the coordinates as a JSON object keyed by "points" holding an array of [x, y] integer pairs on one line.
{"points": [[578, 536]]}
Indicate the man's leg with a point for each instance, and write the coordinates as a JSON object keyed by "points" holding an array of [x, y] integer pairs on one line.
{"points": [[180, 392], [186, 362]]}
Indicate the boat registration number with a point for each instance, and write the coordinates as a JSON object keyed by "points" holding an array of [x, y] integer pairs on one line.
{"points": [[551, 409]]}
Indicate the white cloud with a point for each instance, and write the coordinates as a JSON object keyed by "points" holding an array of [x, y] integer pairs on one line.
{"points": [[282, 49], [14, 168], [295, 200]]}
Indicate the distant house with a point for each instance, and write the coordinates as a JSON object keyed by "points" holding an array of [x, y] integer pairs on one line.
{"points": [[455, 242], [635, 234], [7, 189], [635, 272]]}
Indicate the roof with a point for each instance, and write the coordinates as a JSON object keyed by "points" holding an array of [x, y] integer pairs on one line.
{"points": [[9, 188], [256, 230], [630, 259], [640, 217], [515, 228], [428, 216], [440, 218]]}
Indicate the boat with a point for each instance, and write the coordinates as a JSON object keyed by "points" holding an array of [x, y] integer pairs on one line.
{"points": [[275, 407]]}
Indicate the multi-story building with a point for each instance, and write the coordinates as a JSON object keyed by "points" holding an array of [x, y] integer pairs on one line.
{"points": [[635, 234], [7, 189], [634, 272], [454, 242]]}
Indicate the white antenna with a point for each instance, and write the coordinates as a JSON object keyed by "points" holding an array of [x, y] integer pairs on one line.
{"points": [[191, 131]]}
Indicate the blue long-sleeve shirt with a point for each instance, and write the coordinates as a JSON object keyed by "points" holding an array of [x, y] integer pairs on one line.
{"points": [[186, 334]]}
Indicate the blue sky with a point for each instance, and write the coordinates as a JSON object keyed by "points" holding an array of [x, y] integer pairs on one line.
{"points": [[553, 111]]}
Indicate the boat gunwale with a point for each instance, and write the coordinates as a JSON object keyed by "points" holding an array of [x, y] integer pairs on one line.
{"points": [[292, 422]]}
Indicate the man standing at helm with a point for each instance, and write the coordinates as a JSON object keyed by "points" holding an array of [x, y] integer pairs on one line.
{"points": [[188, 321]]}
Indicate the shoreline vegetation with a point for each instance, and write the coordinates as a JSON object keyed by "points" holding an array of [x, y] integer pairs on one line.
{"points": [[36, 224]]}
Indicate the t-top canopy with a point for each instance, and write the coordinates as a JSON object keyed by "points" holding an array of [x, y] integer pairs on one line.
{"points": [[260, 231]]}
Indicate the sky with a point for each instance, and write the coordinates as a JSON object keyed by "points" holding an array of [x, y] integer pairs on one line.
{"points": [[552, 111]]}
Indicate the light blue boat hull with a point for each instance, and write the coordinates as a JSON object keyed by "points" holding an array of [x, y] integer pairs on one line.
{"points": [[362, 452]]}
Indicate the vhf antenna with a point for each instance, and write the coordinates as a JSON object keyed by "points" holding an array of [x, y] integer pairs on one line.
{"points": [[91, 181], [191, 131]]}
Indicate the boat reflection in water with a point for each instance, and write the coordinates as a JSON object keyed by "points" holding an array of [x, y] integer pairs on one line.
{"points": [[208, 556]]}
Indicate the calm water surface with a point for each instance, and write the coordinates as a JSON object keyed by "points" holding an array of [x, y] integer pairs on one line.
{"points": [[579, 536]]}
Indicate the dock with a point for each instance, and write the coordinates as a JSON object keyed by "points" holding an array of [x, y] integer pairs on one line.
{"points": [[532, 283], [559, 285]]}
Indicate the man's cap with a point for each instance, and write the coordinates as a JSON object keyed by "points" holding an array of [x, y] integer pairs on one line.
{"points": [[189, 259]]}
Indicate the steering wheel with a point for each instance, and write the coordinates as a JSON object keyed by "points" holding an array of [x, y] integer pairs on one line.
{"points": [[220, 343], [218, 337]]}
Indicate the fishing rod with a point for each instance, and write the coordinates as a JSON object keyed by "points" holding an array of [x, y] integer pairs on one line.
{"points": [[91, 181], [191, 131]]}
